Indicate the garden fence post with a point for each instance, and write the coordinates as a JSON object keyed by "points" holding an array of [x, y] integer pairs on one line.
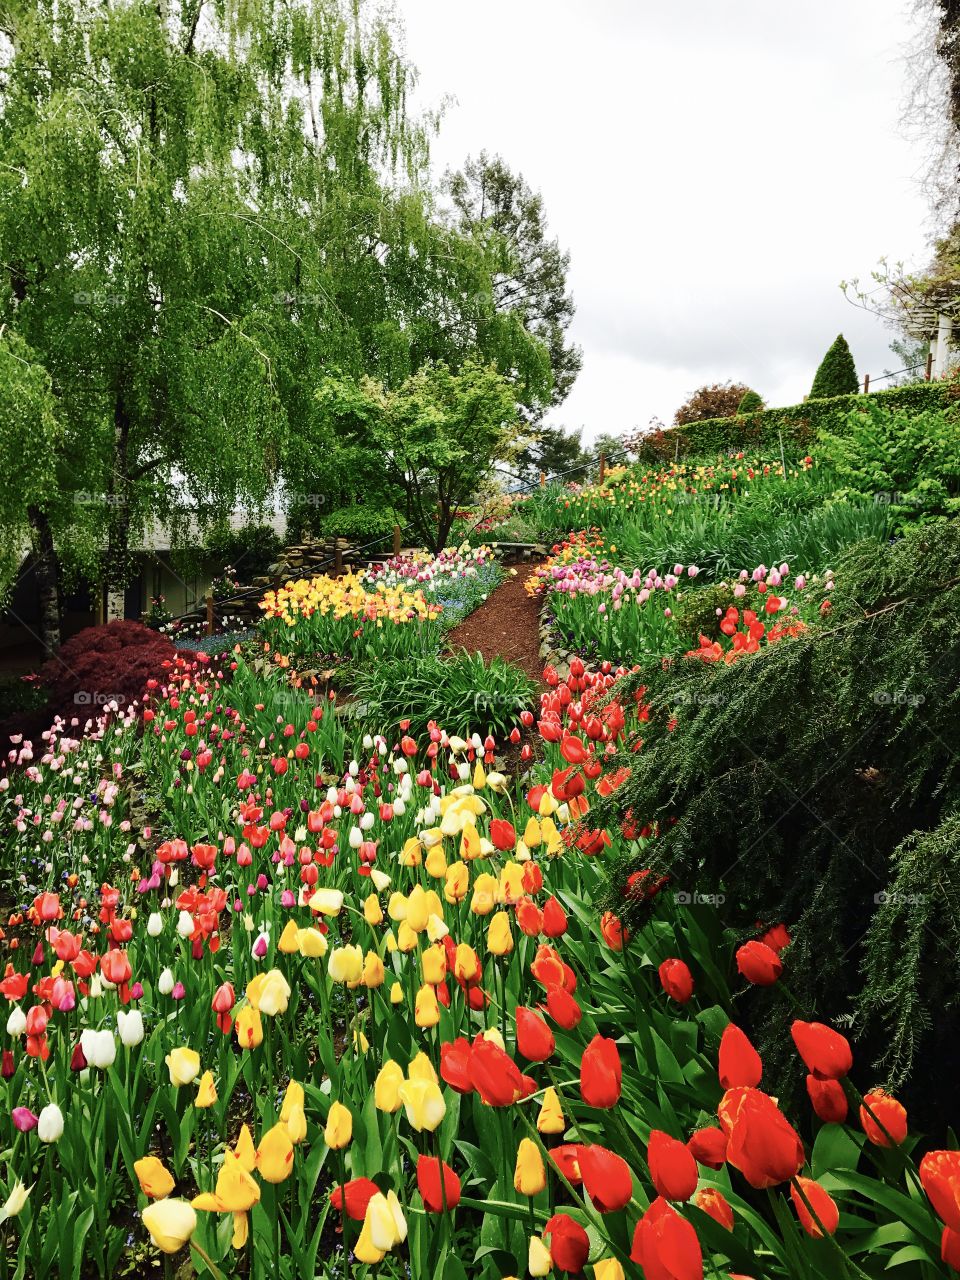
{"points": [[337, 560], [929, 371], [866, 384], [603, 466], [209, 614], [396, 539], [543, 478]]}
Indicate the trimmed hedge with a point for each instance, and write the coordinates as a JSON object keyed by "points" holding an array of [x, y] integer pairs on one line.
{"points": [[798, 424]]}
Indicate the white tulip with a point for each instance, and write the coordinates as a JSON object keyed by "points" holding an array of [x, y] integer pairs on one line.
{"points": [[17, 1022], [50, 1123], [99, 1048], [130, 1026], [356, 837], [166, 982], [155, 924], [185, 924]]}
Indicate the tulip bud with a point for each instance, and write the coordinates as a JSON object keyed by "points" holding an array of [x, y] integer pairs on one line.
{"points": [[50, 1123], [155, 924], [130, 1027], [166, 982]]}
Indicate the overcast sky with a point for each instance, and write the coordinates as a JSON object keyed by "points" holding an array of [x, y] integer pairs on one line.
{"points": [[715, 167]]}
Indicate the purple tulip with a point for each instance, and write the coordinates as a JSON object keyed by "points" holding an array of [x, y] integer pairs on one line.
{"points": [[24, 1119]]}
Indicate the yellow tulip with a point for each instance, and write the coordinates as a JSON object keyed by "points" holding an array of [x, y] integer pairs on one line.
{"points": [[531, 833], [390, 942], [296, 1124], [436, 928], [550, 1119], [171, 1223], [511, 882], [236, 1192], [206, 1091], [289, 941], [363, 1250], [346, 964], [427, 1008], [183, 1065], [479, 777], [608, 1269], [397, 906], [312, 943], [529, 1176], [434, 963], [275, 1154], [418, 909], [406, 938], [327, 901], [436, 862], [411, 853], [539, 1262], [249, 1027], [269, 993], [373, 971], [457, 883], [360, 1042], [396, 994], [423, 1103], [293, 1097], [155, 1179], [548, 805], [245, 1151], [470, 844], [339, 1128], [421, 1068], [499, 937], [484, 895], [552, 838], [388, 1227], [386, 1087], [372, 911]]}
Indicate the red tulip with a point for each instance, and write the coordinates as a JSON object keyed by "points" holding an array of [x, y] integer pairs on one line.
{"points": [[567, 1241], [606, 1176], [883, 1118], [614, 934], [567, 1159], [709, 1147], [739, 1062], [431, 1191], [534, 1038], [563, 1009], [494, 1075], [666, 1245], [712, 1201], [825, 1052], [672, 1167], [940, 1176], [600, 1073], [777, 938], [455, 1065], [554, 918], [759, 963], [359, 1193], [822, 1204], [529, 917], [676, 980], [502, 835], [760, 1140], [950, 1248], [828, 1099]]}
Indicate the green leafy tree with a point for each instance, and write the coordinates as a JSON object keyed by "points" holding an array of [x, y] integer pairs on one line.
{"points": [[752, 402], [554, 451], [503, 219], [436, 437], [194, 213], [837, 374]]}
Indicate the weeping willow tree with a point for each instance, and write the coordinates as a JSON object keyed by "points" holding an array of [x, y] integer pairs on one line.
{"points": [[816, 783], [201, 203]]}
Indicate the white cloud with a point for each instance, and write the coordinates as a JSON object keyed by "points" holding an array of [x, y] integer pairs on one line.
{"points": [[715, 168]]}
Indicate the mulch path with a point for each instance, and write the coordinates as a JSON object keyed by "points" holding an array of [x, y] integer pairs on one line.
{"points": [[505, 625]]}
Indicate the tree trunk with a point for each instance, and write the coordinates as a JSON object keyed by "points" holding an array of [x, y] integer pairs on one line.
{"points": [[48, 588], [117, 556]]}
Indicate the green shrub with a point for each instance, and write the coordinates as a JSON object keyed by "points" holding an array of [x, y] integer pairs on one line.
{"points": [[817, 783], [794, 427], [249, 550], [910, 461], [837, 374], [359, 523], [462, 693], [751, 403]]}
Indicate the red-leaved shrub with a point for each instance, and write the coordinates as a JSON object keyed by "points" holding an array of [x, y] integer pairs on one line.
{"points": [[104, 664]]}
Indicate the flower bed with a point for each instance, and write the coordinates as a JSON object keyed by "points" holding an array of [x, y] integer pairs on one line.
{"points": [[357, 999]]}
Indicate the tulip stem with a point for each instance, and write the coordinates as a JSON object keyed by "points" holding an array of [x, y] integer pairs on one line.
{"points": [[214, 1270], [824, 1233]]}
